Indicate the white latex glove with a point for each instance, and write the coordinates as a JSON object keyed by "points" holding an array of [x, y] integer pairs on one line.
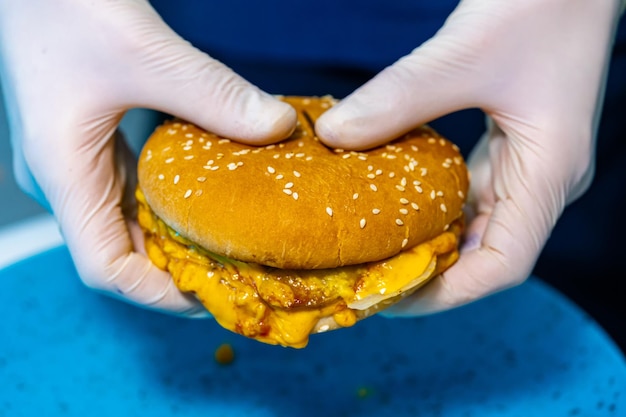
{"points": [[70, 69], [537, 69]]}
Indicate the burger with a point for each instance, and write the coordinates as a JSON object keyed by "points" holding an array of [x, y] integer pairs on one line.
{"points": [[282, 241]]}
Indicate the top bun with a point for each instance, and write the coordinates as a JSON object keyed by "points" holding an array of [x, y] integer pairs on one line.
{"points": [[298, 204]]}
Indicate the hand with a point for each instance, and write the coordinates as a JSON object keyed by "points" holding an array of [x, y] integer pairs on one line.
{"points": [[70, 70], [537, 70]]}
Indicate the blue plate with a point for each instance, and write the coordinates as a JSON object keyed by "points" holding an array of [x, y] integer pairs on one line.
{"points": [[66, 350]]}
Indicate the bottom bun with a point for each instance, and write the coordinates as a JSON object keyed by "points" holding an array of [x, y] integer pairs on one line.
{"points": [[285, 306]]}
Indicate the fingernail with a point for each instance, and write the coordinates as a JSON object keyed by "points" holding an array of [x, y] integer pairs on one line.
{"points": [[471, 242]]}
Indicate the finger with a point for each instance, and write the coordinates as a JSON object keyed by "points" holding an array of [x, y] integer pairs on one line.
{"points": [[178, 79], [85, 190], [418, 88], [504, 239]]}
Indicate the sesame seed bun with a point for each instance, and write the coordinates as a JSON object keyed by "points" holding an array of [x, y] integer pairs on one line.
{"points": [[300, 206]]}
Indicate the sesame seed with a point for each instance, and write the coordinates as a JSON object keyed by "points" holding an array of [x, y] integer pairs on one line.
{"points": [[443, 208], [403, 182], [432, 140], [323, 328], [272, 146], [280, 176], [405, 242], [400, 188], [187, 148], [187, 194], [362, 157], [232, 166], [198, 193], [289, 185], [169, 160], [440, 193], [188, 157], [399, 222], [271, 170], [161, 177], [415, 206], [433, 194], [419, 189], [210, 162], [373, 187], [329, 211], [295, 196], [376, 211], [289, 155], [404, 201], [392, 174], [423, 172], [370, 168], [276, 156], [215, 168], [382, 291], [166, 149], [300, 154], [176, 179], [201, 179], [287, 191], [442, 142], [414, 148], [308, 158], [297, 174], [403, 211], [460, 194], [219, 155], [355, 196], [362, 223], [345, 156], [189, 135], [371, 176], [379, 172], [222, 141], [391, 157]]}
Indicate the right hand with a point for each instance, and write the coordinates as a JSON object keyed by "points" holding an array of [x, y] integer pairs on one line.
{"points": [[70, 70]]}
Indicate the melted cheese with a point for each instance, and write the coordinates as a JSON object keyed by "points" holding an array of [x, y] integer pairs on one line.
{"points": [[284, 306]]}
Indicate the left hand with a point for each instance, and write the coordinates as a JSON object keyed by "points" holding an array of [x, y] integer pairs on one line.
{"points": [[537, 69]]}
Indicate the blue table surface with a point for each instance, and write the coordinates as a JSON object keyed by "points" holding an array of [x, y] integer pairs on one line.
{"points": [[66, 350]]}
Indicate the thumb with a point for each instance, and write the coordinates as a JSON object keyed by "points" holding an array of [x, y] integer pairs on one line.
{"points": [[437, 78], [178, 79]]}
